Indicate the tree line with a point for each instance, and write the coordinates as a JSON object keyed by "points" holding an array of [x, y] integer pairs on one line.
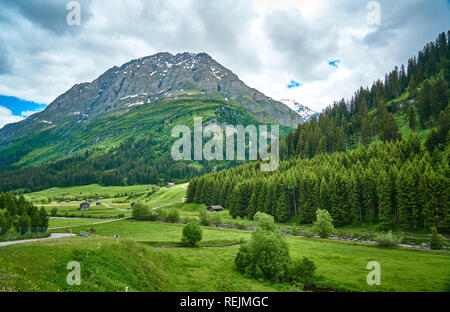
{"points": [[21, 215], [392, 184], [419, 88]]}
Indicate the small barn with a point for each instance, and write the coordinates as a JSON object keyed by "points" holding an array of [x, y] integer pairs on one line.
{"points": [[132, 205], [84, 206], [215, 208], [156, 188], [170, 185], [98, 204], [67, 201]]}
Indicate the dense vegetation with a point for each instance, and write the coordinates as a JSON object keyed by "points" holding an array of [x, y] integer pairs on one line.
{"points": [[390, 184], [353, 162], [420, 93], [20, 217], [266, 256], [138, 152]]}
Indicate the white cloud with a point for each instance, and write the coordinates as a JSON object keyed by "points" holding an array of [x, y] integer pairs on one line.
{"points": [[27, 114], [267, 43], [6, 117]]}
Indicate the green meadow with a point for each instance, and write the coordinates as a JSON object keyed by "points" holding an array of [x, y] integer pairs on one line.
{"points": [[137, 260]]}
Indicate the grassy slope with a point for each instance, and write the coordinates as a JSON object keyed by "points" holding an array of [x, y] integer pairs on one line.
{"points": [[109, 265], [119, 205], [155, 119]]}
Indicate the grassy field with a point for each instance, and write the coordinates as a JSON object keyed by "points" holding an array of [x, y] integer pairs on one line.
{"points": [[135, 262], [85, 191], [132, 261], [73, 221], [116, 200]]}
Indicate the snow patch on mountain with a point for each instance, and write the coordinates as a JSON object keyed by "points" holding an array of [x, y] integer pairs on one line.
{"points": [[300, 109]]}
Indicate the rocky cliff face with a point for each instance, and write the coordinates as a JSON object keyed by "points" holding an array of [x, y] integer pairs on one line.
{"points": [[155, 77]]}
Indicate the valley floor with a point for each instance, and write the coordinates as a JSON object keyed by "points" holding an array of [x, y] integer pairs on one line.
{"points": [[109, 264]]}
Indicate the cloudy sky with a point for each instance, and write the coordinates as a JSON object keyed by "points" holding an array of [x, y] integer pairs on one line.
{"points": [[314, 51]]}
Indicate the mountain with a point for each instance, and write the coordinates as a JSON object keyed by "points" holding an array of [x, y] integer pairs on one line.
{"points": [[121, 122], [305, 113], [145, 80]]}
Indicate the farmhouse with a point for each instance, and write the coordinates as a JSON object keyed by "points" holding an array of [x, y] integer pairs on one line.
{"points": [[156, 188], [170, 185], [84, 206], [98, 204], [216, 208]]}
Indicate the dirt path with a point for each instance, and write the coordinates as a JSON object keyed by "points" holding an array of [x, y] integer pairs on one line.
{"points": [[52, 236], [94, 223]]}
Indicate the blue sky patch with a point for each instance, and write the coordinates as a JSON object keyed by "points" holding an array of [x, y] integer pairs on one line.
{"points": [[334, 63], [294, 84], [18, 106]]}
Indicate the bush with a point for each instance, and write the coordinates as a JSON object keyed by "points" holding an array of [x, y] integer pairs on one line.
{"points": [[264, 221], [437, 241], [308, 233], [302, 271], [265, 256], [323, 224], [142, 213], [54, 211], [240, 224], [205, 218], [162, 215], [387, 239], [173, 216], [187, 220], [192, 234], [216, 219]]}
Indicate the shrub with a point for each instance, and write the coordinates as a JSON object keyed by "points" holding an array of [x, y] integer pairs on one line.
{"points": [[187, 220], [162, 215], [216, 219], [302, 271], [265, 256], [205, 218], [437, 241], [324, 223], [192, 234], [264, 221], [173, 216], [54, 211], [308, 233], [142, 213], [387, 239], [240, 224]]}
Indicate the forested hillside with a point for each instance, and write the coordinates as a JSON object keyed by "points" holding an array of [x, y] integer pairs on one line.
{"points": [[354, 161], [417, 93], [141, 158]]}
